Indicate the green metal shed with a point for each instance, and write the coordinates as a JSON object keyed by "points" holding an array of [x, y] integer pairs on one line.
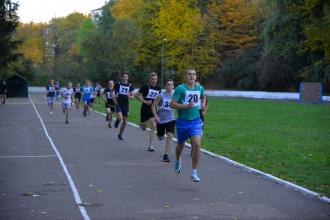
{"points": [[17, 86]]}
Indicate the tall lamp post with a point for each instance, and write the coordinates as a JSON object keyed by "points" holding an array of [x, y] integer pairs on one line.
{"points": [[162, 70]]}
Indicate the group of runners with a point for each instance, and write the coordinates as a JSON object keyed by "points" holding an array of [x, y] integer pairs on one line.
{"points": [[157, 110]]}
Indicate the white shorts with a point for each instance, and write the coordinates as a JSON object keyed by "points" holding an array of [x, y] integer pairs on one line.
{"points": [[66, 105], [50, 99]]}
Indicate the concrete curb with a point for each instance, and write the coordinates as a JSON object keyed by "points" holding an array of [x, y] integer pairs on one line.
{"points": [[267, 176]]}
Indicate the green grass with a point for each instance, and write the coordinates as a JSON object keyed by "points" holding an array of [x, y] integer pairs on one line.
{"points": [[286, 139]]}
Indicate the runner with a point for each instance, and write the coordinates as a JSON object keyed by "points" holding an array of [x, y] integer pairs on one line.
{"points": [[92, 97], [3, 91], [87, 91], [110, 102], [98, 89], [67, 93], [77, 95], [187, 98], [57, 88], [165, 118], [124, 91], [202, 116], [51, 95], [147, 94]]}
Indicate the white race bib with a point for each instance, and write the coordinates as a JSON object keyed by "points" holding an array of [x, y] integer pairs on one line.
{"points": [[51, 89], [166, 103], [109, 96], [193, 96], [123, 90], [152, 94], [87, 90]]}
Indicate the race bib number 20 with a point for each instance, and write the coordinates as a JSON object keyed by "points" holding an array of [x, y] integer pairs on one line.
{"points": [[193, 96]]}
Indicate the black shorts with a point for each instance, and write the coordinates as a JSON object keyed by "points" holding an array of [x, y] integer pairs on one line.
{"points": [[145, 113], [110, 104], [165, 128], [77, 96], [123, 109], [98, 94]]}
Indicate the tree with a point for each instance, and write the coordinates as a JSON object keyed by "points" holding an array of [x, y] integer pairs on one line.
{"points": [[8, 24], [180, 23]]}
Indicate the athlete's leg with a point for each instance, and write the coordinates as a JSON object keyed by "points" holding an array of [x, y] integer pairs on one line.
{"points": [[85, 107], [66, 115], [152, 123], [178, 150], [169, 141], [196, 141], [122, 127], [119, 118]]}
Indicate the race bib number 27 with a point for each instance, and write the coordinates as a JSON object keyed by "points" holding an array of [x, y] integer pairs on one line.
{"points": [[152, 94], [123, 90]]}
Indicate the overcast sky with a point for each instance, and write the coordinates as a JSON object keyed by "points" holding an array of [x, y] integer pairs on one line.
{"points": [[44, 10]]}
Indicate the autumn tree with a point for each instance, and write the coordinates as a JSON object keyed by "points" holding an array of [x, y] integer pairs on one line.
{"points": [[8, 24]]}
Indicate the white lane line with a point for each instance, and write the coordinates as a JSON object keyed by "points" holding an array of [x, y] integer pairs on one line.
{"points": [[30, 156], [252, 170], [75, 192]]}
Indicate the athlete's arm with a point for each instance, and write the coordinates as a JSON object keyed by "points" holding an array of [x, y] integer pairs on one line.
{"points": [[139, 97], [203, 103], [154, 107], [174, 104], [130, 95]]}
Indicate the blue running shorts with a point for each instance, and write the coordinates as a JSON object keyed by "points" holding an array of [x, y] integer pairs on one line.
{"points": [[188, 128]]}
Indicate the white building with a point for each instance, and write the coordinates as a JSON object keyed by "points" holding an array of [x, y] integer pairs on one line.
{"points": [[96, 14]]}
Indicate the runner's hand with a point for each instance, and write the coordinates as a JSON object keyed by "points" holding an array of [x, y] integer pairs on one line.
{"points": [[190, 104], [157, 119]]}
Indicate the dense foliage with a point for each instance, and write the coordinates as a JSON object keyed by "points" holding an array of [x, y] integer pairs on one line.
{"points": [[8, 46], [234, 44]]}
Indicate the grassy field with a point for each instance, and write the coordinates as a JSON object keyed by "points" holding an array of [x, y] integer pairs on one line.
{"points": [[286, 139]]}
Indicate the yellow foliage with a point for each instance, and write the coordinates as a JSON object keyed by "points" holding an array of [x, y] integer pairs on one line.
{"points": [[126, 8], [32, 45], [235, 22]]}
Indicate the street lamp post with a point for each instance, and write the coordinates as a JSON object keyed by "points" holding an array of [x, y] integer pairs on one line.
{"points": [[162, 70]]}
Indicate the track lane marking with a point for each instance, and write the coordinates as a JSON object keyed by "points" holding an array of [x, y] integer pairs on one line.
{"points": [[73, 187]]}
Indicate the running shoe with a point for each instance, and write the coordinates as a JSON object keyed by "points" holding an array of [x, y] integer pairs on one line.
{"points": [[66, 122], [107, 118], [109, 125], [177, 166], [195, 177], [51, 112], [165, 158], [151, 148], [84, 113], [117, 123], [120, 137]]}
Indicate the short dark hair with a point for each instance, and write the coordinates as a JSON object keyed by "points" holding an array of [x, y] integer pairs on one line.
{"points": [[152, 74], [169, 80]]}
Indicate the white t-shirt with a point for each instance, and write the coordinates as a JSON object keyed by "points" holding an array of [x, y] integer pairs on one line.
{"points": [[67, 95]]}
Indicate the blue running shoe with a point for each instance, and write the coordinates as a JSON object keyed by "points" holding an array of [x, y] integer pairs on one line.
{"points": [[177, 166], [195, 177]]}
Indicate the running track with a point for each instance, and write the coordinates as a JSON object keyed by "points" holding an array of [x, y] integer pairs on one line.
{"points": [[120, 179]]}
